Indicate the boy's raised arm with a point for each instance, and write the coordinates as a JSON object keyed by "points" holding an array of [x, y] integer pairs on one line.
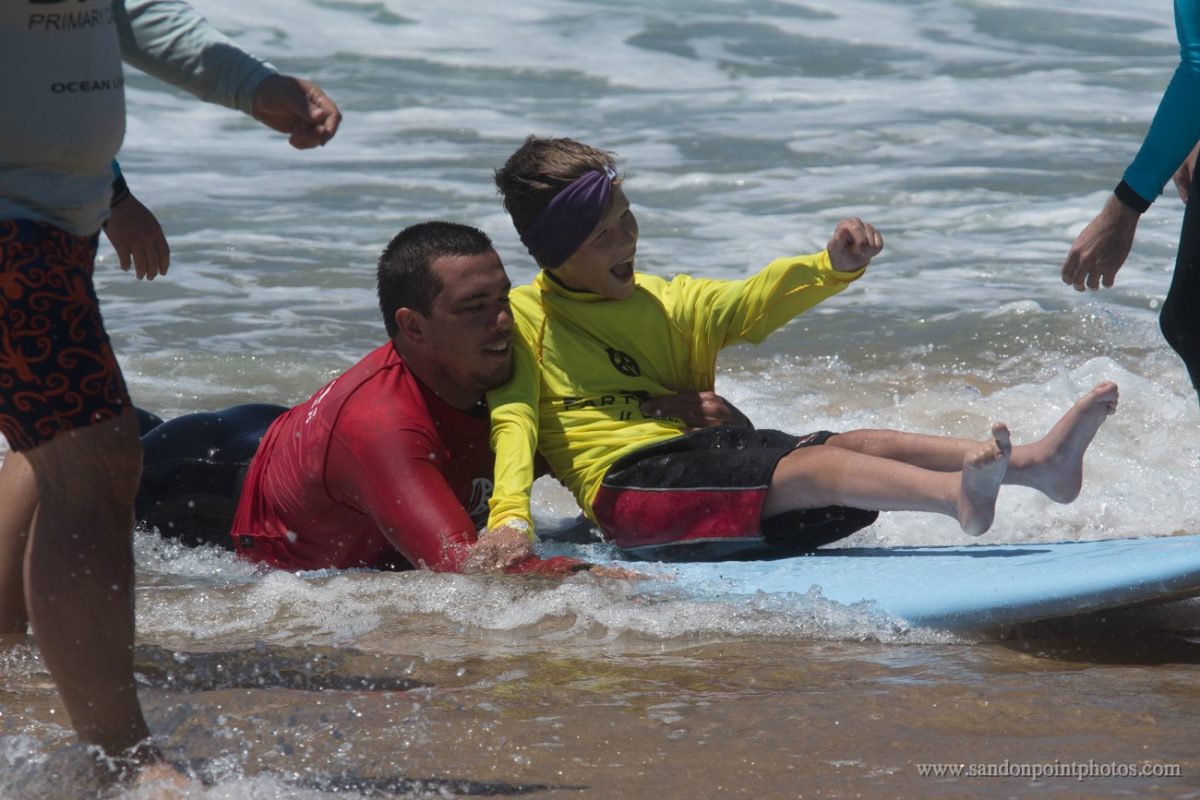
{"points": [[787, 287]]}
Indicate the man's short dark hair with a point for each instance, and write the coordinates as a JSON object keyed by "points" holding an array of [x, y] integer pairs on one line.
{"points": [[405, 278]]}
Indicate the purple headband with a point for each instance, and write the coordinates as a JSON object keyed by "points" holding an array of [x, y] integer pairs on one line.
{"points": [[564, 224]]}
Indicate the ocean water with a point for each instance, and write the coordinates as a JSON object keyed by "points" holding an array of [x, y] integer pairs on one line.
{"points": [[979, 137]]}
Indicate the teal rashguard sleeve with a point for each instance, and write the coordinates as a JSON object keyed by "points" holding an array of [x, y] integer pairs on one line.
{"points": [[1176, 126], [120, 189]]}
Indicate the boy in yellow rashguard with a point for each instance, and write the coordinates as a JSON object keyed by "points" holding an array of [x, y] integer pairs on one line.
{"points": [[594, 340]]}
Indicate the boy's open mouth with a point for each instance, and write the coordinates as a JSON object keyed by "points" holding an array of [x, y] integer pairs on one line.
{"points": [[623, 271]]}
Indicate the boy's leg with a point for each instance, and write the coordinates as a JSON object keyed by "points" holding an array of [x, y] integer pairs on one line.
{"points": [[18, 501], [79, 577], [813, 477], [927, 451], [1053, 464]]}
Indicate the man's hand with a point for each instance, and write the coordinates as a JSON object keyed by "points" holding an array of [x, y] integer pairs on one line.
{"points": [[137, 238], [853, 244], [1101, 248], [1183, 175], [697, 409], [296, 107], [499, 549]]}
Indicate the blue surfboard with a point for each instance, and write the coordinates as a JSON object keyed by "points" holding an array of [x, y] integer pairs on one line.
{"points": [[968, 587]]}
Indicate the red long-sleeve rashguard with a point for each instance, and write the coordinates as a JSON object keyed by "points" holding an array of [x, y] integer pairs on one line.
{"points": [[374, 470]]}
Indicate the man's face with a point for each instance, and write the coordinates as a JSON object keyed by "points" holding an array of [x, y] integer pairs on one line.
{"points": [[469, 327], [604, 262]]}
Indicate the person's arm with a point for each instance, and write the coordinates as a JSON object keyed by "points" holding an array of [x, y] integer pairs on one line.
{"points": [[1183, 175], [393, 479], [514, 436], [1176, 125], [1100, 249], [697, 410], [169, 40], [134, 232], [726, 312]]}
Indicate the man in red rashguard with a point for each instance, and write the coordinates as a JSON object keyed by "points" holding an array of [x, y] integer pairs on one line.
{"points": [[388, 465], [381, 467]]}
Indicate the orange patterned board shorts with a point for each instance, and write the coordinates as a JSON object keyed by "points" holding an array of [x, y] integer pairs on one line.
{"points": [[57, 369]]}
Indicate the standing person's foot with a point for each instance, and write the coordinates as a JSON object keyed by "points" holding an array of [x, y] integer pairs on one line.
{"points": [[1054, 464], [161, 781], [982, 474], [139, 772]]}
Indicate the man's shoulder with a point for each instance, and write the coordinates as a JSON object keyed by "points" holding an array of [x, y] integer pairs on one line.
{"points": [[383, 364], [377, 393], [381, 386]]}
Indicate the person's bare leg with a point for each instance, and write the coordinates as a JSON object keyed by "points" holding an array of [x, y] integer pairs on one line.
{"points": [[812, 477], [1052, 465], [18, 501], [79, 578]]}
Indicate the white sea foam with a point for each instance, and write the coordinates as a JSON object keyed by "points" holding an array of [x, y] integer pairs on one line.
{"points": [[359, 607]]}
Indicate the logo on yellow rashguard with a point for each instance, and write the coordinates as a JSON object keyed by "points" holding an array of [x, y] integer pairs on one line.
{"points": [[624, 363]]}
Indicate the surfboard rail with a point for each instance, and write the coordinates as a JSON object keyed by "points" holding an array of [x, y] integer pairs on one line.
{"points": [[971, 586]]}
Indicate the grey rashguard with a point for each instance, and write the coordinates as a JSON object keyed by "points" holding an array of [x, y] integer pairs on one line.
{"points": [[62, 91]]}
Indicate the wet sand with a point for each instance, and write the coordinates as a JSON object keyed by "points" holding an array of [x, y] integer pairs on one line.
{"points": [[421, 708]]}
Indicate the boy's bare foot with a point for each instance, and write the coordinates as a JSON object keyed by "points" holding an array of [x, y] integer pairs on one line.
{"points": [[1054, 464], [982, 474]]}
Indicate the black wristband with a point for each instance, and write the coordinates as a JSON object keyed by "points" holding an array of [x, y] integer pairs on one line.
{"points": [[120, 191], [1130, 198]]}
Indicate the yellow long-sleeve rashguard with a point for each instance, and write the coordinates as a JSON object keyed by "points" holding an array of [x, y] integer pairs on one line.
{"points": [[583, 364]]}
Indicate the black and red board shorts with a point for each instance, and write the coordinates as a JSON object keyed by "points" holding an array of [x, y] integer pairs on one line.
{"points": [[699, 497], [58, 372]]}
